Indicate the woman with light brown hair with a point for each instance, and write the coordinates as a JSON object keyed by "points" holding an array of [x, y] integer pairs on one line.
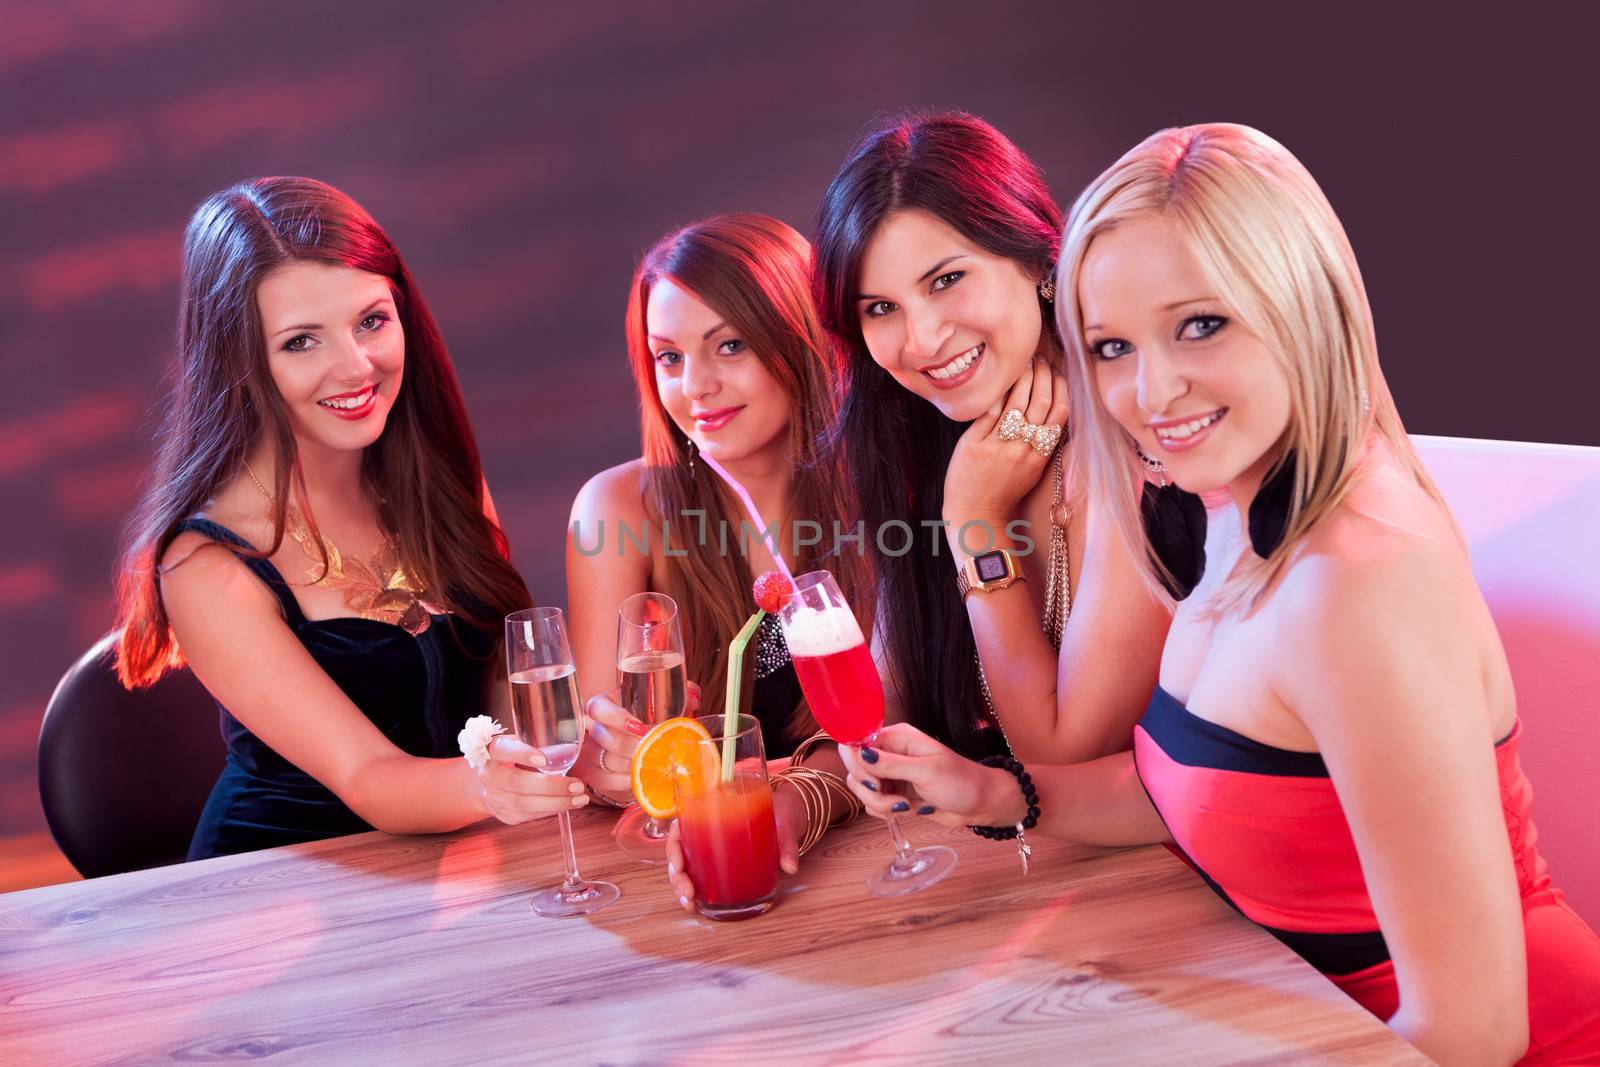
{"points": [[317, 541], [731, 366]]}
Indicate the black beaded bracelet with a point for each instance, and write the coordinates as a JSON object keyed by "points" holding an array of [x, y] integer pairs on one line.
{"points": [[1029, 794]]}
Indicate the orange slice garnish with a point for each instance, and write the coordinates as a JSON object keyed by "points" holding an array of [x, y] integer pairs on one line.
{"points": [[663, 754]]}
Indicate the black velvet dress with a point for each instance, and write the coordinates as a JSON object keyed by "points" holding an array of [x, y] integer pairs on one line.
{"points": [[418, 690]]}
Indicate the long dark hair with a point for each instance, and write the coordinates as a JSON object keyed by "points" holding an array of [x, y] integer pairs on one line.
{"points": [[424, 467], [895, 445], [755, 273]]}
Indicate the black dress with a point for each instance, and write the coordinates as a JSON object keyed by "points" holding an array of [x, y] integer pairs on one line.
{"points": [[418, 690], [776, 690]]}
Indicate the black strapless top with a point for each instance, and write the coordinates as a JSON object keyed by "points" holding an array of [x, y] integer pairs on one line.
{"points": [[419, 691], [776, 690]]}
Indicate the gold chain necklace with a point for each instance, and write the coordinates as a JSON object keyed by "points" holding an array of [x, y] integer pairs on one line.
{"points": [[375, 589], [1058, 583]]}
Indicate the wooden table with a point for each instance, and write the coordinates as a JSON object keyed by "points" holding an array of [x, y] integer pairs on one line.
{"points": [[391, 949]]}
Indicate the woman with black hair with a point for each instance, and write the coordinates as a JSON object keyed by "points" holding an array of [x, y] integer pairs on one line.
{"points": [[935, 248]]}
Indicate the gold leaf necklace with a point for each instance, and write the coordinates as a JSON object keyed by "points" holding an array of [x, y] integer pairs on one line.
{"points": [[379, 588]]}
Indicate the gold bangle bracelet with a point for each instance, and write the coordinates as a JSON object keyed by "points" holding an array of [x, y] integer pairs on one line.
{"points": [[604, 800], [807, 800], [813, 799], [824, 783], [830, 781], [803, 749], [821, 823], [817, 820], [833, 783]]}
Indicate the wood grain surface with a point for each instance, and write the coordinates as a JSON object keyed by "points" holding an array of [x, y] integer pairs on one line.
{"points": [[423, 949]]}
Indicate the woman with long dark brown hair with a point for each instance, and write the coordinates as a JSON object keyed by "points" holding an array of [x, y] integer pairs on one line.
{"points": [[935, 245], [317, 541], [731, 365]]}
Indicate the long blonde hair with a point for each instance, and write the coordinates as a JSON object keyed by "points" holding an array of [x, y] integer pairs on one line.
{"points": [[1268, 239]]}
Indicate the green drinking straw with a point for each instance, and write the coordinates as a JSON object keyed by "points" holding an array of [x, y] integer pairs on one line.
{"points": [[730, 703]]}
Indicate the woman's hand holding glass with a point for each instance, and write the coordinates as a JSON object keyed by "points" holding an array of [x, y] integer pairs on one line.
{"points": [[989, 476], [790, 813], [514, 790], [949, 788], [608, 747], [613, 734]]}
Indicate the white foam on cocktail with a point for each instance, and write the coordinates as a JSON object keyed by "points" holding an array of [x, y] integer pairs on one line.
{"points": [[821, 631]]}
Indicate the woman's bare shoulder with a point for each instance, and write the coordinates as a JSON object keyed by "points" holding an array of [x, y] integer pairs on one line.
{"points": [[1385, 568], [1386, 525], [197, 567], [203, 578], [614, 494]]}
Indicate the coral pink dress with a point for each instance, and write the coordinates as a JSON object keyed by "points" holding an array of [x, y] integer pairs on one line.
{"points": [[1264, 828]]}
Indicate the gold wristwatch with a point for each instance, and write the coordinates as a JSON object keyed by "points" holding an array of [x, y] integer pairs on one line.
{"points": [[988, 571]]}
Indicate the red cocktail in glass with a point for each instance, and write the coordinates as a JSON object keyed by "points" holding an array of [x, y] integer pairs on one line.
{"points": [[843, 691], [725, 821], [842, 687], [730, 843]]}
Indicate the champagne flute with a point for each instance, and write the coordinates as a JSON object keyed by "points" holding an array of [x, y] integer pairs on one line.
{"points": [[650, 674], [547, 713], [842, 687]]}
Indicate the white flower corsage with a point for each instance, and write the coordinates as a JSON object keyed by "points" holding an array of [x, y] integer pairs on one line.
{"points": [[474, 739]]}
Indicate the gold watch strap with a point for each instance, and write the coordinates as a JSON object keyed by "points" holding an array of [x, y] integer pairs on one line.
{"points": [[967, 578]]}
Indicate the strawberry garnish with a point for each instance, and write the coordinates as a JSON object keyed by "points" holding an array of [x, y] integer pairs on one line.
{"points": [[770, 590]]}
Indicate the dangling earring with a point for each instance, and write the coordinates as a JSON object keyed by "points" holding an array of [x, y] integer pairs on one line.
{"points": [[1174, 527], [1151, 463], [689, 443], [1175, 522], [1047, 289]]}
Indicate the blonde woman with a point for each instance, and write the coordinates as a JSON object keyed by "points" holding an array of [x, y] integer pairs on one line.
{"points": [[1334, 738]]}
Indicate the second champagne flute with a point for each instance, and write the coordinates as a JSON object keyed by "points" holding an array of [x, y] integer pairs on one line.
{"points": [[547, 713], [650, 674]]}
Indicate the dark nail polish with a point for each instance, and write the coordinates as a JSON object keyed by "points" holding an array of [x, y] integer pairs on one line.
{"points": [[868, 754], [900, 805], [926, 809], [870, 784]]}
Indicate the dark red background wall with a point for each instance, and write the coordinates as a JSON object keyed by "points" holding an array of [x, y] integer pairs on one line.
{"points": [[522, 155]]}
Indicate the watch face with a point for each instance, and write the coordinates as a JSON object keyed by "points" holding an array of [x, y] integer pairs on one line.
{"points": [[991, 566]]}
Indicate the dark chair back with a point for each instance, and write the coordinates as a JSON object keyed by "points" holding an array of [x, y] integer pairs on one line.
{"points": [[124, 774]]}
